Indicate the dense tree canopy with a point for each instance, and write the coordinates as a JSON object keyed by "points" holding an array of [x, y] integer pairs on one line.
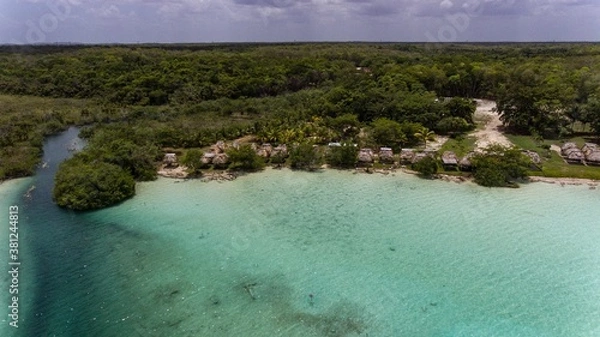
{"points": [[139, 99], [344, 156], [245, 158], [498, 166], [82, 186]]}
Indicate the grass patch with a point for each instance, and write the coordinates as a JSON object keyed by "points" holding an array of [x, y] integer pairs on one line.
{"points": [[555, 167], [460, 145], [528, 142]]}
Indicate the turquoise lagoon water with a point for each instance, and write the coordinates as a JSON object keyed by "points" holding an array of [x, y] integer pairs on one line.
{"points": [[381, 256]]}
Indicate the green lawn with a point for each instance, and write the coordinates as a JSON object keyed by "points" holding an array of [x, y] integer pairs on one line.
{"points": [[553, 165], [461, 146], [556, 167]]}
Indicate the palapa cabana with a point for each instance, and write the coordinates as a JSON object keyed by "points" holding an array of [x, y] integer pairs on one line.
{"points": [[465, 163], [536, 160], [573, 155], [593, 158], [386, 155], [449, 160], [265, 150], [568, 146], [406, 156], [207, 158], [365, 156], [589, 148], [219, 147], [280, 150], [421, 155], [221, 160], [170, 159]]}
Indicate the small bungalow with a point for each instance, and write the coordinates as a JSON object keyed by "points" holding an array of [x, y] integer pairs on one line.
{"points": [[449, 160], [365, 156], [170, 159], [265, 150], [536, 160], [573, 155], [219, 147], [465, 163], [420, 155], [589, 148], [280, 150], [593, 157], [386, 155], [406, 156], [567, 146], [207, 158], [221, 160]]}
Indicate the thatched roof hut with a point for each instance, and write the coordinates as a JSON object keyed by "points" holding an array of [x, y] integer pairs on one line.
{"points": [[406, 156], [386, 155], [265, 150], [449, 158], [536, 160], [420, 155], [534, 156], [170, 159], [573, 155], [589, 148], [567, 146], [221, 160], [280, 150], [365, 156], [593, 157], [465, 163], [219, 147], [207, 158]]}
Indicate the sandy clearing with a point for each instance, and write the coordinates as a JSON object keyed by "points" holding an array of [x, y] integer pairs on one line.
{"points": [[490, 133]]}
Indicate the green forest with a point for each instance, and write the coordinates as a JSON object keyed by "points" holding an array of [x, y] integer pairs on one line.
{"points": [[135, 101]]}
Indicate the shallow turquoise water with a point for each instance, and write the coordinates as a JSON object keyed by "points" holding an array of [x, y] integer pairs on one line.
{"points": [[381, 255]]}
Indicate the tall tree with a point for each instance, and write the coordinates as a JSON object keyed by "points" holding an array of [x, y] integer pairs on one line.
{"points": [[425, 135]]}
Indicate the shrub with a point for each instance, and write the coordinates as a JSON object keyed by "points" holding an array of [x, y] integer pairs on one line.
{"points": [[498, 165], [305, 157], [427, 166], [342, 156], [193, 160], [84, 186], [245, 158]]}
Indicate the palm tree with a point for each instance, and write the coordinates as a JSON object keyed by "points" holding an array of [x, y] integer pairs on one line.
{"points": [[424, 135], [288, 136]]}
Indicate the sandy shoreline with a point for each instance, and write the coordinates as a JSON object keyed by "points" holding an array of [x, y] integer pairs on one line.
{"points": [[180, 173], [565, 181]]}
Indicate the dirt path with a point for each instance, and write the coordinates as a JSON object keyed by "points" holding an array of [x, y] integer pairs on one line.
{"points": [[490, 133], [436, 144]]}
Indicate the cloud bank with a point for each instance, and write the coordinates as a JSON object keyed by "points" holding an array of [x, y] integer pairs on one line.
{"points": [[102, 21]]}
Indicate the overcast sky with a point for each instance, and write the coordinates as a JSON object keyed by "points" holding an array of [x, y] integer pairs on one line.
{"points": [[121, 21]]}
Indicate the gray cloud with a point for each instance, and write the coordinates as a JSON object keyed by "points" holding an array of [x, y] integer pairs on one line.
{"points": [[270, 3], [276, 20]]}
